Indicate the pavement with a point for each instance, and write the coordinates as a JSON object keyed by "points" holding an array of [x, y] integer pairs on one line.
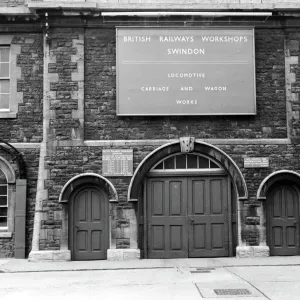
{"points": [[23, 265], [273, 278]]}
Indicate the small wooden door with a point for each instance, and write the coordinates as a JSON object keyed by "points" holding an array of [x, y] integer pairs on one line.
{"points": [[89, 225], [283, 221], [187, 217], [208, 217]]}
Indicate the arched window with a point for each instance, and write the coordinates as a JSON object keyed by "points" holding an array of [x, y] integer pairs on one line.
{"points": [[3, 200], [187, 163]]}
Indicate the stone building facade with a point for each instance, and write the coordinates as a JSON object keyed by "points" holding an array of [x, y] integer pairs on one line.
{"points": [[56, 201]]}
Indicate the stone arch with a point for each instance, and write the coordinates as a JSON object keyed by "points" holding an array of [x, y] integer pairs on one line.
{"points": [[88, 178], [75, 183], [274, 177], [261, 195], [200, 147], [7, 169]]}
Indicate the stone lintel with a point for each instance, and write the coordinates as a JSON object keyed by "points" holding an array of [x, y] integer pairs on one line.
{"points": [[18, 10], [64, 5], [5, 235], [118, 143]]}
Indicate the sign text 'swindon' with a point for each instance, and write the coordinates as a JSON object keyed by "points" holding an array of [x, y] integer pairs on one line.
{"points": [[187, 51]]}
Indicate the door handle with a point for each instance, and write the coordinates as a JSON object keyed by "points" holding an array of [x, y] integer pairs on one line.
{"points": [[77, 227], [295, 223], [192, 221]]}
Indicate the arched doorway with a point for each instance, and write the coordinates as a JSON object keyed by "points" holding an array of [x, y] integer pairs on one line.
{"points": [[88, 224], [282, 211], [187, 209]]}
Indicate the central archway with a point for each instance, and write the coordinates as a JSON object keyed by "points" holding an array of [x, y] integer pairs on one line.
{"points": [[167, 194]]}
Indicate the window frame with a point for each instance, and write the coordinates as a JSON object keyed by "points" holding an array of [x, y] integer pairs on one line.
{"points": [[4, 206], [187, 171], [6, 168], [7, 78], [15, 97]]}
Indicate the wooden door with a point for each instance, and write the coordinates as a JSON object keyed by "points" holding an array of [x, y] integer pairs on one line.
{"points": [[208, 217], [166, 217], [187, 217], [283, 221], [89, 225]]}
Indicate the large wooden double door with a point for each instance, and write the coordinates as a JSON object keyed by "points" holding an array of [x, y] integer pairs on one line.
{"points": [[187, 217], [283, 220]]}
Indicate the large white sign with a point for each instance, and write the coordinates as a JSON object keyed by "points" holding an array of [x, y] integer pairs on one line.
{"points": [[190, 71]]}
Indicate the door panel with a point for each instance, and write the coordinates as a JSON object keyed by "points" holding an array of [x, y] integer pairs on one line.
{"points": [[198, 197], [167, 227], [208, 227], [89, 225], [283, 217], [187, 217]]}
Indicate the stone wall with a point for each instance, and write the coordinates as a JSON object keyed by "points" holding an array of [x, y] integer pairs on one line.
{"points": [[27, 127], [101, 122], [31, 159], [277, 52]]}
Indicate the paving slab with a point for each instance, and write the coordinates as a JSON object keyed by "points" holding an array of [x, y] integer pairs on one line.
{"points": [[23, 265], [276, 282]]}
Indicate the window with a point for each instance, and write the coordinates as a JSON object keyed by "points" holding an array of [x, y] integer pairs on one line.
{"points": [[10, 73], [4, 78], [186, 161], [3, 201]]}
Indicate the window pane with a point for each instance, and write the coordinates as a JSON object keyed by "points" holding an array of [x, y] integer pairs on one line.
{"points": [[4, 86], [3, 222], [4, 101], [3, 211], [3, 190], [2, 178], [159, 166], [213, 165], [169, 163], [4, 69], [4, 54], [181, 162], [203, 162], [192, 161], [3, 200]]}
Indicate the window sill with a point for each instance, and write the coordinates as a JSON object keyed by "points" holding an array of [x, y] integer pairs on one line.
{"points": [[7, 115], [5, 235]]}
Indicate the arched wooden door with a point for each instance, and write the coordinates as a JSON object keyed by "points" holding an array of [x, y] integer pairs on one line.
{"points": [[283, 220], [88, 224], [187, 209]]}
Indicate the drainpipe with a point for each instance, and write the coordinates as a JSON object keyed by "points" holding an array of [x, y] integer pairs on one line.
{"points": [[42, 193]]}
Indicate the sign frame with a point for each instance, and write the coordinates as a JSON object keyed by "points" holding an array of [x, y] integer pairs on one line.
{"points": [[256, 162], [115, 174], [252, 28]]}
